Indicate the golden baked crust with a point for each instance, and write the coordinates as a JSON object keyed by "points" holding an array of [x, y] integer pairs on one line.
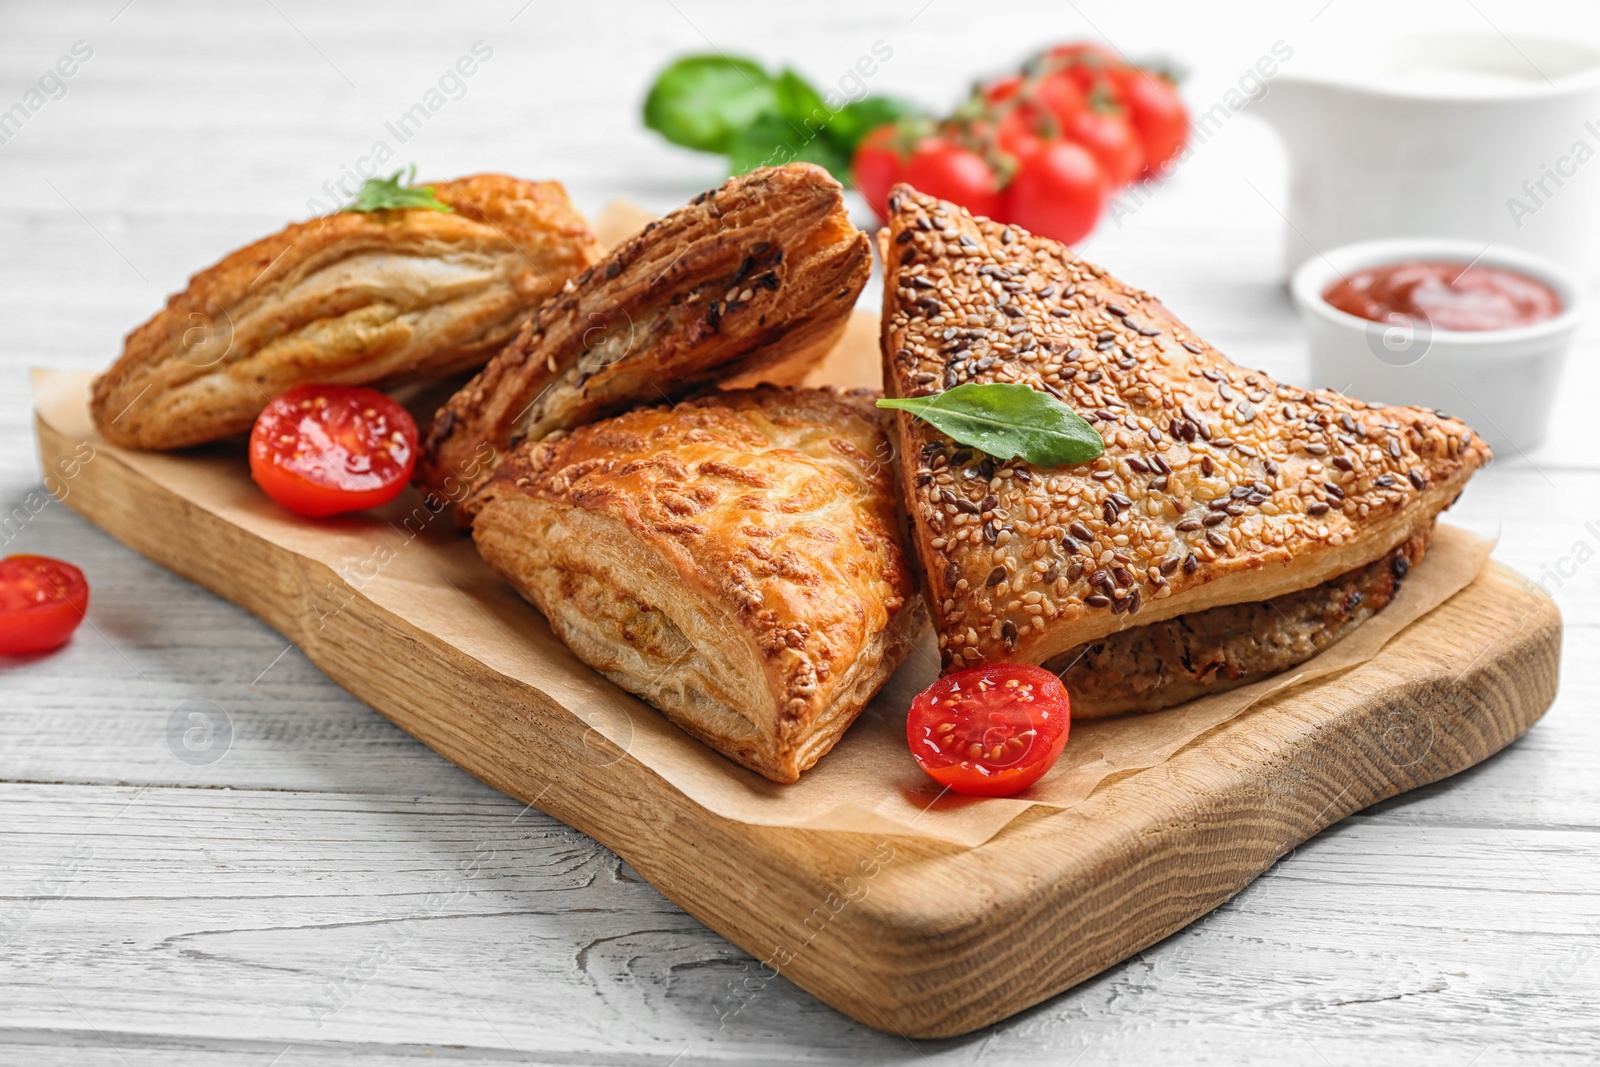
{"points": [[1218, 485], [735, 559], [352, 298], [761, 271]]}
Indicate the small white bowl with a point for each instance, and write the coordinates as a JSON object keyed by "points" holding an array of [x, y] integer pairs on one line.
{"points": [[1502, 383]]}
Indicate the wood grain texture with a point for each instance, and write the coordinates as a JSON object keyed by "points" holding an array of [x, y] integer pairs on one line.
{"points": [[928, 929], [1457, 923]]}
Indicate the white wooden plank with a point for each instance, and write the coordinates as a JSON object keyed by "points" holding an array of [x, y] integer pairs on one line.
{"points": [[454, 921], [1457, 922]]}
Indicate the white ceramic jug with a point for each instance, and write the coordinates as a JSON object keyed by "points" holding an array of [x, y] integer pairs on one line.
{"points": [[1468, 135]]}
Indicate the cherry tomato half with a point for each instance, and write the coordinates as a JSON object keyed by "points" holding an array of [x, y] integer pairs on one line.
{"points": [[323, 449], [990, 731], [940, 167], [42, 600], [1057, 193]]}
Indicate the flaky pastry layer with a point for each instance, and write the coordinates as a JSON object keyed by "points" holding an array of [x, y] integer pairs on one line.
{"points": [[735, 559], [758, 273], [351, 298]]}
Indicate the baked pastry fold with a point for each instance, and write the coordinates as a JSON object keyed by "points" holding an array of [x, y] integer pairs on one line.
{"points": [[736, 560], [1218, 485], [353, 298], [760, 272], [1160, 664]]}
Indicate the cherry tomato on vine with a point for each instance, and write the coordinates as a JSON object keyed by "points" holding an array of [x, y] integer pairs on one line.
{"points": [[877, 166], [940, 167], [1156, 113], [1023, 131], [1110, 139], [1003, 89], [1059, 95], [1057, 193], [1083, 64], [990, 731], [42, 601], [322, 449], [1085, 53]]}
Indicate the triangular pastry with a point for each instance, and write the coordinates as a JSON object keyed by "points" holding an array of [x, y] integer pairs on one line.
{"points": [[734, 559], [353, 298], [761, 271], [1218, 485]]}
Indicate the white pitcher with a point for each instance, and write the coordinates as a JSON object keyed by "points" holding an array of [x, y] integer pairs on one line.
{"points": [[1468, 135]]}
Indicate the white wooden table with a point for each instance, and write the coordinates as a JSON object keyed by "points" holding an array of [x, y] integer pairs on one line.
{"points": [[329, 891]]}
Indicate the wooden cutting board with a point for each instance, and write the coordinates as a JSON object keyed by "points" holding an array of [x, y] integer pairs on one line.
{"points": [[906, 934]]}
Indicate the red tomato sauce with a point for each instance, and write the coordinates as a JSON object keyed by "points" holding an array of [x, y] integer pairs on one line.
{"points": [[1447, 296]]}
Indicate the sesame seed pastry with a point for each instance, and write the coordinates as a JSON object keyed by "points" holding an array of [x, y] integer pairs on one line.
{"points": [[1217, 486], [735, 559], [761, 271], [353, 298]]}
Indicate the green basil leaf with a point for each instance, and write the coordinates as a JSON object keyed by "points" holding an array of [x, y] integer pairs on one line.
{"points": [[1007, 420], [773, 140], [798, 102], [855, 120], [703, 102], [392, 194]]}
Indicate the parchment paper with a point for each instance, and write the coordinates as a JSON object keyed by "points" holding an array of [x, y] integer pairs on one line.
{"points": [[413, 565]]}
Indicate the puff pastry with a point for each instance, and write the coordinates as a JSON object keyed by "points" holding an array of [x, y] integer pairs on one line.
{"points": [[353, 298], [1218, 485], [735, 559], [761, 271]]}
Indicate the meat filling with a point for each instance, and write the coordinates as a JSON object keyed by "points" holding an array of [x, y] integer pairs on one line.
{"points": [[1148, 668]]}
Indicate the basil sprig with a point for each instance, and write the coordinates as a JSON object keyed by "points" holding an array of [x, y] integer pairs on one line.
{"points": [[1008, 421], [391, 194], [732, 107], [703, 102]]}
